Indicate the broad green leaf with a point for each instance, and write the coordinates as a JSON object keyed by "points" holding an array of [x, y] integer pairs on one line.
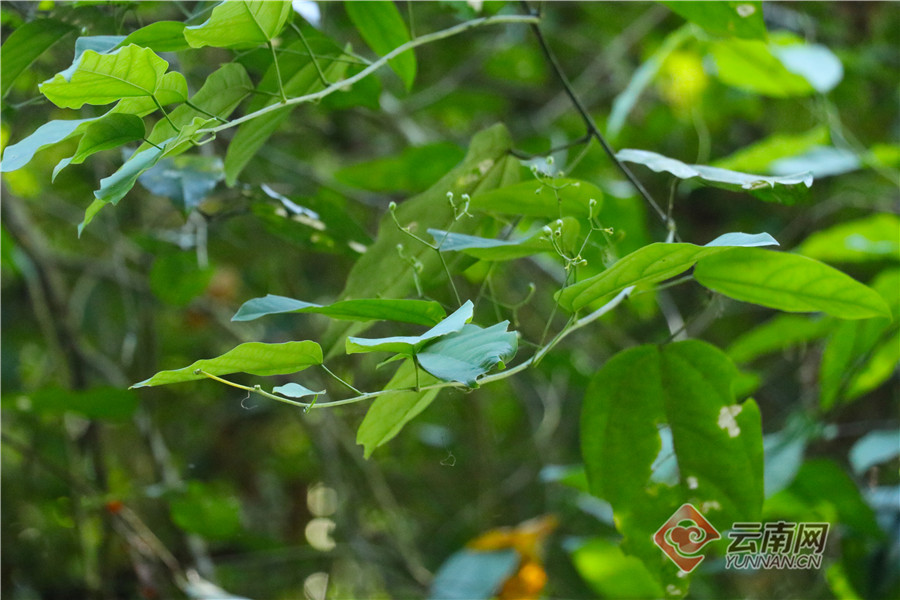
{"points": [[469, 353], [413, 170], [412, 344], [689, 386], [879, 367], [240, 23], [204, 510], [106, 403], [788, 282], [776, 335], [786, 190], [876, 237], [536, 199], [490, 249], [757, 157], [20, 154], [874, 448], [651, 264], [381, 26], [186, 180], [390, 412], [129, 72], [821, 161], [162, 36], [741, 19], [814, 62], [299, 77], [102, 44], [845, 352], [255, 358], [624, 103], [25, 44], [752, 66], [382, 272], [612, 574], [295, 390], [111, 131], [473, 575], [220, 94], [420, 312], [172, 90]]}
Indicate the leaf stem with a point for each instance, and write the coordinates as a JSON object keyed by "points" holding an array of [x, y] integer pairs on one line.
{"points": [[166, 115], [205, 112], [277, 71], [312, 56], [341, 381]]}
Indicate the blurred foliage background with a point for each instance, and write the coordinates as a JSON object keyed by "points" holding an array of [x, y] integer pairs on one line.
{"points": [[110, 493]]}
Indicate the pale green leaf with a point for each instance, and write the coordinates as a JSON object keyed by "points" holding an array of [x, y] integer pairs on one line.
{"points": [[25, 44], [161, 36], [295, 390], [411, 344], [740, 19], [390, 412], [20, 154], [879, 367], [421, 312], [381, 26], [758, 156], [788, 282], [172, 89], [612, 574], [814, 62], [786, 190], [534, 199], [821, 161], [874, 448], [186, 179], [752, 66], [489, 249], [240, 23], [876, 237], [777, 335], [129, 72], [651, 264], [469, 353], [474, 575], [110, 131], [255, 358]]}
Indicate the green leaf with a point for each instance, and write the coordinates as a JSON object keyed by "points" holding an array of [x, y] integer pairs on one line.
{"points": [[814, 62], [752, 66], [110, 131], [760, 155], [25, 44], [413, 170], [240, 23], [20, 154], [172, 90], [612, 574], [299, 77], [162, 36], [874, 448], [206, 511], [879, 368], [739, 19], [788, 282], [821, 161], [689, 386], [295, 390], [469, 353], [255, 358], [390, 412], [412, 344], [847, 347], [187, 180], [381, 26], [420, 312], [777, 335], [473, 575], [536, 199], [876, 237], [382, 272], [786, 190], [130, 72], [650, 264], [488, 248]]}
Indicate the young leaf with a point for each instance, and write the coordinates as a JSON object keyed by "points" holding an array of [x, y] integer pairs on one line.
{"points": [[25, 45], [129, 72], [788, 282], [390, 412], [240, 23], [412, 344], [688, 385], [751, 65], [741, 19], [488, 248], [651, 264], [172, 89], [162, 36], [420, 312], [469, 353], [20, 154], [295, 390], [381, 26], [786, 190], [254, 358]]}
